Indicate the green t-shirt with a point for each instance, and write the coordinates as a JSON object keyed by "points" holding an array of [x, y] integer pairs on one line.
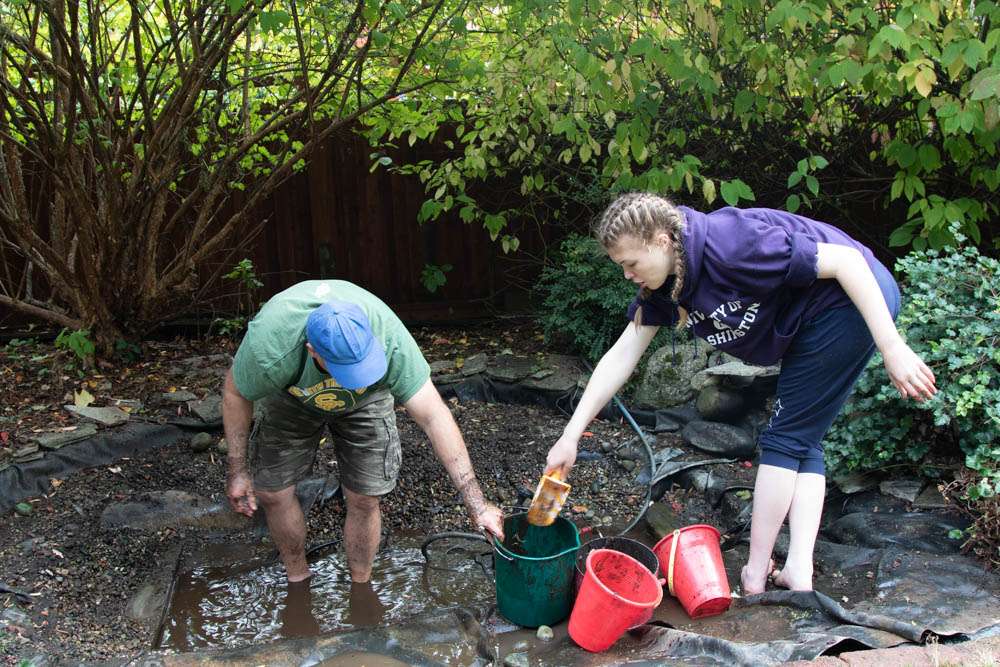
{"points": [[273, 355]]}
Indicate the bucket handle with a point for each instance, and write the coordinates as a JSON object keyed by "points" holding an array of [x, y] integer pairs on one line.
{"points": [[496, 545], [670, 563]]}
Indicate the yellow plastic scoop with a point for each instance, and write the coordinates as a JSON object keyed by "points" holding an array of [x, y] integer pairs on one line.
{"points": [[549, 498]]}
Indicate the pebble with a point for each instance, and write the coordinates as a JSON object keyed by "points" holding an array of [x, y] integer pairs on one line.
{"points": [[200, 442], [516, 660], [545, 633]]}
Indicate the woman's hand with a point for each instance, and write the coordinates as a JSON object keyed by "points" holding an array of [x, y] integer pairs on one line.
{"points": [[908, 372], [561, 457]]}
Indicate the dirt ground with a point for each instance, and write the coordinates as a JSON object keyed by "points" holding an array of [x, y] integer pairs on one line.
{"points": [[77, 576]]}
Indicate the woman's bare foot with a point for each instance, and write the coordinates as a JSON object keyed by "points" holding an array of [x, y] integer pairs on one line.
{"points": [[754, 583], [786, 579]]}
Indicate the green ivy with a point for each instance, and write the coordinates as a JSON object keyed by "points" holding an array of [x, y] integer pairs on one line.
{"points": [[951, 318]]}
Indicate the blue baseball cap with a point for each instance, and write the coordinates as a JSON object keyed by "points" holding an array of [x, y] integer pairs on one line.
{"points": [[340, 333]]}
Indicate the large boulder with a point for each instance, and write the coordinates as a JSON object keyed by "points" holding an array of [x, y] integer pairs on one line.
{"points": [[666, 382]]}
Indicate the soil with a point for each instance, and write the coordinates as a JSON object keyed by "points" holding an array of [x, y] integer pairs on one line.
{"points": [[77, 576]]}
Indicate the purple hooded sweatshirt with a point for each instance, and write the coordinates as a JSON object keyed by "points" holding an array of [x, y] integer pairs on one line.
{"points": [[750, 281]]}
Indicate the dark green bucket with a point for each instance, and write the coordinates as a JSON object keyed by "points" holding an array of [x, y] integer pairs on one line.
{"points": [[535, 570]]}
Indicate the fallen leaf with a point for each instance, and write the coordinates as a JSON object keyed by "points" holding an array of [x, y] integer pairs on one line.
{"points": [[55, 482], [4, 436], [440, 341], [588, 434], [82, 398], [115, 469]]}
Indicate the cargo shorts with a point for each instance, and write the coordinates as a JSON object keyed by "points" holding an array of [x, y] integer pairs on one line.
{"points": [[286, 435]]}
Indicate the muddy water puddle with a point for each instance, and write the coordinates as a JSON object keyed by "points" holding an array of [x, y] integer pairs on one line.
{"points": [[226, 599]]}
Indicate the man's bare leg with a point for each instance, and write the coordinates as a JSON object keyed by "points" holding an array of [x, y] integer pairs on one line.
{"points": [[362, 534], [288, 530]]}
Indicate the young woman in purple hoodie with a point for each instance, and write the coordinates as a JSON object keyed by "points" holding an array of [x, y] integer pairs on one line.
{"points": [[764, 286]]}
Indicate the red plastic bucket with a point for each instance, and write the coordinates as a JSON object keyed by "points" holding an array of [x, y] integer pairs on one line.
{"points": [[616, 592], [691, 561]]}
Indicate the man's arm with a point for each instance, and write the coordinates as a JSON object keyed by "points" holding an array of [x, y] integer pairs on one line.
{"points": [[434, 417], [237, 415]]}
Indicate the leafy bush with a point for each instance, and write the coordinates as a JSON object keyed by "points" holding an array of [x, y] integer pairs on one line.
{"points": [[586, 297], [587, 300], [950, 317]]}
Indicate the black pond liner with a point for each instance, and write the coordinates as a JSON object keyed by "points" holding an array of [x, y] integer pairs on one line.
{"points": [[30, 479]]}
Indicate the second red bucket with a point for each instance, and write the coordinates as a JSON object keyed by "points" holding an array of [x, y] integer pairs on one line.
{"points": [[691, 561]]}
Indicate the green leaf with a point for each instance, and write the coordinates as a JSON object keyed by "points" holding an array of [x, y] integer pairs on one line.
{"points": [[640, 46], [792, 203], [745, 100]]}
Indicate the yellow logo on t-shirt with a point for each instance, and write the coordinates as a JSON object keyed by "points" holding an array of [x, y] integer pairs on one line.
{"points": [[328, 396]]}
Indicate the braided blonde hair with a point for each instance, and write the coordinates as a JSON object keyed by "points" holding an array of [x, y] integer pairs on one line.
{"points": [[644, 215]]}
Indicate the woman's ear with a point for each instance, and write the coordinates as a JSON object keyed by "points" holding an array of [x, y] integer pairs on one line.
{"points": [[662, 239]]}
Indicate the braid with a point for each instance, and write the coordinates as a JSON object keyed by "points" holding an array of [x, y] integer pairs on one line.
{"points": [[644, 215]]}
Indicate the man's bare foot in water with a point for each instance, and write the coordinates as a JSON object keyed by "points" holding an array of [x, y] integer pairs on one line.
{"points": [[787, 579], [752, 582]]}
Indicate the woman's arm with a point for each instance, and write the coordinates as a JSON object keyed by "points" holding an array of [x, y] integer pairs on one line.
{"points": [[611, 372], [847, 265]]}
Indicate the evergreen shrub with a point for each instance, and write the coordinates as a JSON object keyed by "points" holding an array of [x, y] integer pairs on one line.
{"points": [[587, 299]]}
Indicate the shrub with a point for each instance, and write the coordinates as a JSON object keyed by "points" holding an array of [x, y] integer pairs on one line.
{"points": [[587, 300], [951, 318], [586, 297]]}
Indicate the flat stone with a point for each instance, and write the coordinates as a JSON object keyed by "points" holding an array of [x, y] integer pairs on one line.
{"points": [[129, 405], [718, 438], [181, 396], [205, 366], [475, 364], [208, 409], [442, 365], [24, 451], [904, 489], [931, 499], [108, 416], [559, 372], [855, 482], [57, 439], [510, 368], [662, 520]]}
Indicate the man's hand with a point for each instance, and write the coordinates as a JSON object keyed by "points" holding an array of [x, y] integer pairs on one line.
{"points": [[239, 488], [490, 517]]}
